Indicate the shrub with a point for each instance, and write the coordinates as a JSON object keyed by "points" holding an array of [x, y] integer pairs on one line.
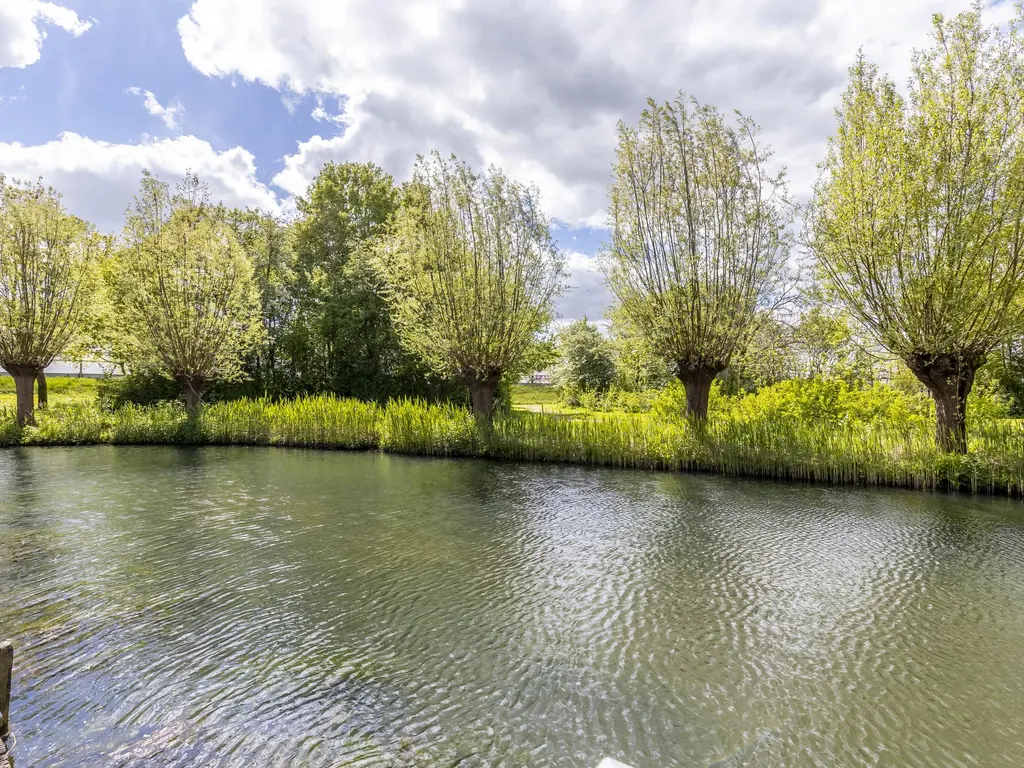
{"points": [[143, 387], [585, 361]]}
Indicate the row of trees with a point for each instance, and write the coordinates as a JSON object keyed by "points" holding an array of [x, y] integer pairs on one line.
{"points": [[915, 231], [375, 291], [915, 226]]}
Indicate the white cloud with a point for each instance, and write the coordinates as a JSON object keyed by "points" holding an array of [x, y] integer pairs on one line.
{"points": [[321, 115], [19, 96], [99, 179], [537, 86], [170, 115], [23, 29], [587, 295]]}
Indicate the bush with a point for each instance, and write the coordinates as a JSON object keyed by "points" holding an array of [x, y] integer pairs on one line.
{"points": [[142, 387], [585, 360]]}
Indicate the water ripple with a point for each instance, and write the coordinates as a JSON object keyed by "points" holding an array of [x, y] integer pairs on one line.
{"points": [[231, 607]]}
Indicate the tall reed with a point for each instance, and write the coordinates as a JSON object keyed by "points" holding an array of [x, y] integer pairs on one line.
{"points": [[737, 442]]}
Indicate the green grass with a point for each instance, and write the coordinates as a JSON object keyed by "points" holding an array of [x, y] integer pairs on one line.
{"points": [[534, 394], [62, 390], [740, 442]]}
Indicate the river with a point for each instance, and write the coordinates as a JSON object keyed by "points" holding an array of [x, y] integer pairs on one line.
{"points": [[223, 606]]}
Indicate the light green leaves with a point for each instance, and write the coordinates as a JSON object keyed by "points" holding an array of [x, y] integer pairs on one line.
{"points": [[49, 275], [471, 270], [699, 231], [916, 223], [184, 288]]}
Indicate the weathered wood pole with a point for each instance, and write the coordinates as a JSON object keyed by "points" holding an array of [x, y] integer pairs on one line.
{"points": [[6, 672]]}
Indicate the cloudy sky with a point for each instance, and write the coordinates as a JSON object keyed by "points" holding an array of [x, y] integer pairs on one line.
{"points": [[255, 95]]}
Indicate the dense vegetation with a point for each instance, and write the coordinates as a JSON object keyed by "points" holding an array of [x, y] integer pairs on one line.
{"points": [[797, 430], [382, 310]]}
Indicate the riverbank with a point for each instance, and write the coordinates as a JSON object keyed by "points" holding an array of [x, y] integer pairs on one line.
{"points": [[879, 455]]}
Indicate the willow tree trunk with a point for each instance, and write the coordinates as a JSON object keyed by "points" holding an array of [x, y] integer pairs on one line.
{"points": [[481, 395], [43, 397], [25, 386], [192, 388], [697, 381], [949, 379]]}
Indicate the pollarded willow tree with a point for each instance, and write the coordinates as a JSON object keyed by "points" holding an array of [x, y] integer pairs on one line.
{"points": [[49, 274], [699, 237], [917, 219], [471, 272], [183, 288]]}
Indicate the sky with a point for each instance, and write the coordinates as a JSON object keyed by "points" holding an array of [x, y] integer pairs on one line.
{"points": [[256, 95]]}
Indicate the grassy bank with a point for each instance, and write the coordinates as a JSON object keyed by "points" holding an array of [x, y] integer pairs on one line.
{"points": [[738, 442]]}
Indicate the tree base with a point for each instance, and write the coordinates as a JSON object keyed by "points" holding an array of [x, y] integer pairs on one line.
{"points": [[697, 381], [24, 385], [481, 395], [192, 390], [949, 379]]}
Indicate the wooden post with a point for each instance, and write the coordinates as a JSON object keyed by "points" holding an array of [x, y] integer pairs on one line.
{"points": [[6, 672]]}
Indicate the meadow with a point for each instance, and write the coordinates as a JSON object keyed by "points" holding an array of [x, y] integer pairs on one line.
{"points": [[818, 432]]}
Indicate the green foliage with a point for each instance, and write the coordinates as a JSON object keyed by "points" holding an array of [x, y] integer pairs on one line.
{"points": [[269, 245], [699, 234], [1007, 371], [767, 357], [346, 207], [471, 272], [585, 359], [49, 274], [184, 288], [806, 433], [542, 354], [916, 220], [342, 338], [144, 386], [49, 278], [638, 365]]}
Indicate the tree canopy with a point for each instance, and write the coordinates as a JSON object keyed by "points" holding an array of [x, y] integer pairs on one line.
{"points": [[49, 276], [585, 358], [699, 237], [184, 288], [472, 273], [343, 338], [917, 219]]}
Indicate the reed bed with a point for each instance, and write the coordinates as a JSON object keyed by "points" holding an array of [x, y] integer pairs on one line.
{"points": [[736, 443]]}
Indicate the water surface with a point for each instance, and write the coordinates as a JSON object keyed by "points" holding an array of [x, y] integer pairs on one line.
{"points": [[224, 606]]}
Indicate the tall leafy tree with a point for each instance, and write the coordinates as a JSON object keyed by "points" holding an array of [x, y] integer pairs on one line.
{"points": [[917, 219], [49, 276], [699, 237], [585, 358], [269, 244], [342, 338], [472, 274], [184, 288]]}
